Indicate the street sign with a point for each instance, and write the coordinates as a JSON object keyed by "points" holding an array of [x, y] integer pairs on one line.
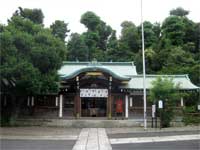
{"points": [[160, 104]]}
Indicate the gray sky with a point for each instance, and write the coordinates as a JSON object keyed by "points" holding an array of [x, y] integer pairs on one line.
{"points": [[113, 12]]}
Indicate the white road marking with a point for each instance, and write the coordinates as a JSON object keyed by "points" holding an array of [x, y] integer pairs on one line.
{"points": [[155, 139], [92, 139], [60, 137]]}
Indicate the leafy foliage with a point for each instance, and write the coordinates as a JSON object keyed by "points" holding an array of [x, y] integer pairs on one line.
{"points": [[171, 47], [59, 29], [179, 12], [164, 89], [30, 57], [35, 15]]}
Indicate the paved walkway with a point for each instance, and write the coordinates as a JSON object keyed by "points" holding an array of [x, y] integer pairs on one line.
{"points": [[92, 139]]}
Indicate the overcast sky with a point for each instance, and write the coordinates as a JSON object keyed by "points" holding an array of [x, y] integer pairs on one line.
{"points": [[113, 12]]}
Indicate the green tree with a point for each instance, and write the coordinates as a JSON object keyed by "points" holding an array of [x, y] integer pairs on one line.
{"points": [[151, 33], [90, 20], [97, 35], [90, 39], [59, 29], [130, 36], [77, 49], [112, 47], [173, 29], [30, 58], [104, 31], [179, 12], [35, 15], [164, 89]]}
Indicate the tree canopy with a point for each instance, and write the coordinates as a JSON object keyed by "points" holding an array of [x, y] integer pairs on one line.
{"points": [[30, 57], [171, 47]]}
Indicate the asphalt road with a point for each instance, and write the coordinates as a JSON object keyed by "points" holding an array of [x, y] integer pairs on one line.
{"points": [[176, 145], [37, 144]]}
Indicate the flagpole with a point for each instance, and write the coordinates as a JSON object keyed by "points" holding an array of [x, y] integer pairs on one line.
{"points": [[144, 72]]}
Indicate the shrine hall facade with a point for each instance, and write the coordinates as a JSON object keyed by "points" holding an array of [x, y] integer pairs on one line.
{"points": [[106, 89], [100, 89]]}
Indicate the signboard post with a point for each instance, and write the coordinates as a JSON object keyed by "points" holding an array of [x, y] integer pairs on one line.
{"points": [[153, 114], [160, 106]]}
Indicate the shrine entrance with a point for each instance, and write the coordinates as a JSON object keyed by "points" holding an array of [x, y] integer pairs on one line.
{"points": [[93, 102], [93, 107]]}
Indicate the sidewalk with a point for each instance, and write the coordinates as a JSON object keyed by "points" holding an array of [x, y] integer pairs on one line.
{"points": [[35, 133], [73, 133]]}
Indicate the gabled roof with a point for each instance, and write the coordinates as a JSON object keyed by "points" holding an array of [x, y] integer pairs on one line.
{"points": [[136, 82], [119, 70]]}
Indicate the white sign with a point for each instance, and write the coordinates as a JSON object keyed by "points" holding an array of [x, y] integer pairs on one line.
{"points": [[153, 111], [198, 107], [160, 104], [93, 92]]}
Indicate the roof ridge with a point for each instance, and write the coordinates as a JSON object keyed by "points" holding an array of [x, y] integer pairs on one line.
{"points": [[131, 63], [165, 75]]}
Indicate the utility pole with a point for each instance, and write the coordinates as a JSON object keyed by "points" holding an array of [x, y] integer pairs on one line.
{"points": [[144, 72]]}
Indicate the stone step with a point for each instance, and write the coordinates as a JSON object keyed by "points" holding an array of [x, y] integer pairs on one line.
{"points": [[80, 123]]}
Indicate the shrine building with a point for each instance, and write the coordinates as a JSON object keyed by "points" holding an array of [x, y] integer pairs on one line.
{"points": [[107, 89], [100, 89]]}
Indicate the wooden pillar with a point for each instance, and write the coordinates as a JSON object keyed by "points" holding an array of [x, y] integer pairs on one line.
{"points": [[78, 99], [78, 105], [60, 106], [126, 106], [109, 106], [109, 103]]}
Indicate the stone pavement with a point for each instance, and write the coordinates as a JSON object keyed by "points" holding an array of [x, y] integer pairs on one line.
{"points": [[92, 139]]}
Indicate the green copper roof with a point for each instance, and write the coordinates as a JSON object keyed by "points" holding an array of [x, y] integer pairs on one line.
{"points": [[136, 82], [119, 70], [122, 71]]}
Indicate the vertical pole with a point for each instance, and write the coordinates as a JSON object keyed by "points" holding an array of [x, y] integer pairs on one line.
{"points": [[32, 101], [160, 119], [79, 105], [144, 72], [5, 101], [78, 99], [131, 101], [126, 106], [109, 103], [182, 103], [28, 101], [110, 98], [56, 103], [61, 106]]}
